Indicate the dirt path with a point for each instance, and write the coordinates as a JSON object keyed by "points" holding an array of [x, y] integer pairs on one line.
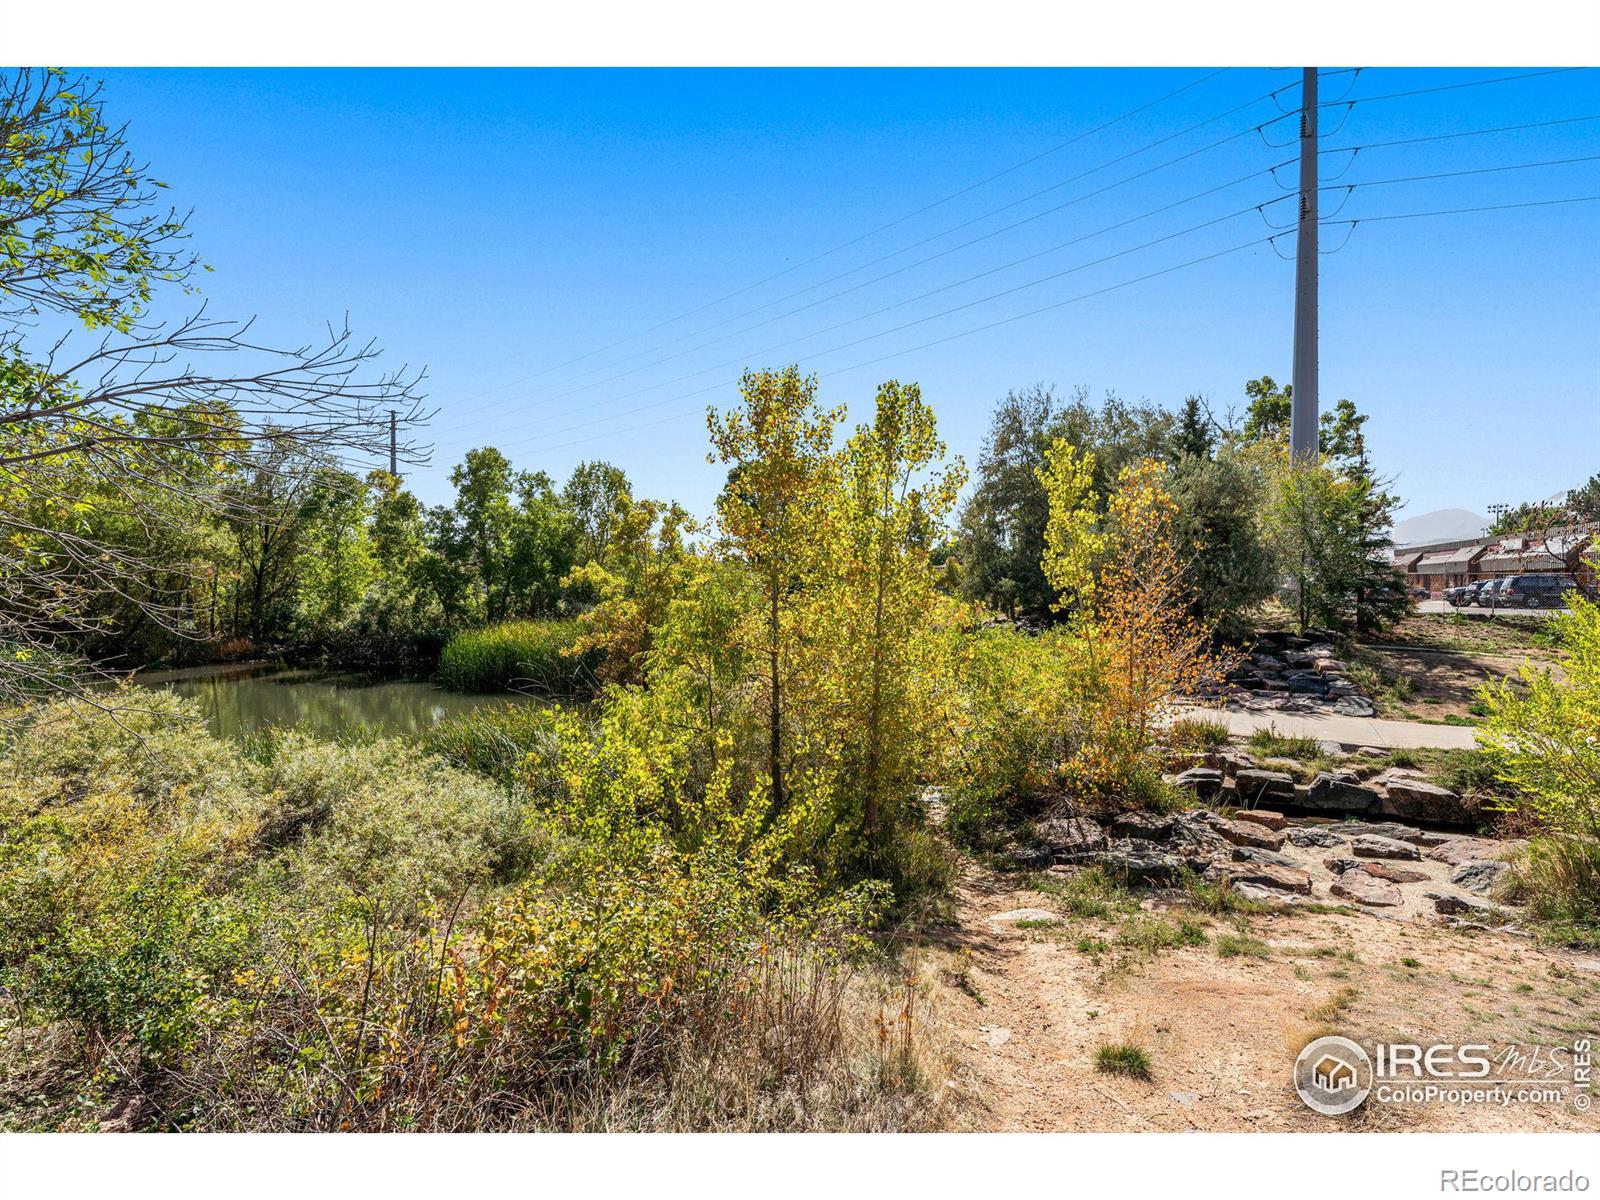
{"points": [[1030, 1006]]}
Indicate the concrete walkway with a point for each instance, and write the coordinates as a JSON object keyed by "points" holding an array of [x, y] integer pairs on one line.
{"points": [[1347, 731]]}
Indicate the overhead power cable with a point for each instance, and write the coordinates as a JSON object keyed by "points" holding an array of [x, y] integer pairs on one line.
{"points": [[924, 261], [1444, 87], [1348, 189], [983, 216], [788, 342], [929, 207], [677, 416], [936, 316], [1211, 120], [1447, 87]]}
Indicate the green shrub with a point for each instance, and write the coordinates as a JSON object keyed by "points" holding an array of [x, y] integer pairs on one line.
{"points": [[329, 936], [1020, 716], [528, 656], [1470, 772], [387, 823]]}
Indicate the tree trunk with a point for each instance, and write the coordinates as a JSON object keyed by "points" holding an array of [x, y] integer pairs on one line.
{"points": [[775, 711]]}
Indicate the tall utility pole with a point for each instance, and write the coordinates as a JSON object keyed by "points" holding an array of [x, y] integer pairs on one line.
{"points": [[394, 462], [1303, 407]]}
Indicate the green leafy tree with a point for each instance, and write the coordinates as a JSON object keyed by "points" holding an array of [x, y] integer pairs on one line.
{"points": [[484, 517], [271, 505], [101, 400], [1584, 502], [1003, 521], [544, 540], [778, 446], [645, 565], [399, 550], [335, 563], [1327, 526], [596, 494], [881, 604], [1195, 436], [1073, 543], [1220, 531]]}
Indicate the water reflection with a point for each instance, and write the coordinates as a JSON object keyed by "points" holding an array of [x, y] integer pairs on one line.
{"points": [[241, 699]]}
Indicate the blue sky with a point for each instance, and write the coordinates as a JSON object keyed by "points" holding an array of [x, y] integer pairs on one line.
{"points": [[493, 225]]}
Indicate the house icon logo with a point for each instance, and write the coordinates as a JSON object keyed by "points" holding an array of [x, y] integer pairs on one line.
{"points": [[1333, 1075]]}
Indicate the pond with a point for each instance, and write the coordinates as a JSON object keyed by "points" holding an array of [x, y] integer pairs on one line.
{"points": [[239, 699]]}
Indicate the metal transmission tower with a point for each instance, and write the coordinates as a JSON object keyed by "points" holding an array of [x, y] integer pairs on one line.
{"points": [[1303, 409]]}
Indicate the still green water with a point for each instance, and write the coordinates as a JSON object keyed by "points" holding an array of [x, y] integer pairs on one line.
{"points": [[242, 699]]}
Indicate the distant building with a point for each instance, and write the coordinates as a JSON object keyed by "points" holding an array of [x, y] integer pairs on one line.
{"points": [[1440, 565]]}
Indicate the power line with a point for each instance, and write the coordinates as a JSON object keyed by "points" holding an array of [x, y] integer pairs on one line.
{"points": [[571, 391], [1047, 308], [1037, 216], [1528, 166], [909, 324], [787, 342], [928, 259], [923, 320], [1440, 137], [934, 237], [1446, 87], [1211, 120], [1133, 112], [1451, 212]]}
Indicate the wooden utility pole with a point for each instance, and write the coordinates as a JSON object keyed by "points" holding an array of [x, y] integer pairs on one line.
{"points": [[1303, 407], [394, 462]]}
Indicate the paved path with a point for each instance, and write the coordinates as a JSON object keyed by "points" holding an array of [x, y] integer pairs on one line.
{"points": [[1440, 607], [1347, 731]]}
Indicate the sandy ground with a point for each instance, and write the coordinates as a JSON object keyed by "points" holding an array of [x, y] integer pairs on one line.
{"points": [[1222, 1033]]}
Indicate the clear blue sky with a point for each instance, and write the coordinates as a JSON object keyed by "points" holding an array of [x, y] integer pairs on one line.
{"points": [[494, 224]]}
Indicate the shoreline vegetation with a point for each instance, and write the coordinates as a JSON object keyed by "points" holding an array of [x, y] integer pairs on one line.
{"points": [[698, 889]]}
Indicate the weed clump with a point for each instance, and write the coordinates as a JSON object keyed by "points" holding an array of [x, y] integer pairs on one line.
{"points": [[1123, 1058]]}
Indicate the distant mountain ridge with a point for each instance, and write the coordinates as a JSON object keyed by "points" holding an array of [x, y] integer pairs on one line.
{"points": [[1442, 525]]}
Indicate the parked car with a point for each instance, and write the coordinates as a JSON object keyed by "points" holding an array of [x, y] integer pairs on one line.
{"points": [[1536, 591], [1488, 594], [1459, 595]]}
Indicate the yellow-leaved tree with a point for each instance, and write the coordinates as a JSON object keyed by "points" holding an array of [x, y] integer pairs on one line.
{"points": [[1148, 651], [644, 564], [890, 671], [1072, 543]]}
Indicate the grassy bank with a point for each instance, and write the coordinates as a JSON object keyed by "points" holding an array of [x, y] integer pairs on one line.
{"points": [[525, 655], [316, 936]]}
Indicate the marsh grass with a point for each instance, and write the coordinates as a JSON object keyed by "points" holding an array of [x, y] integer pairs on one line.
{"points": [[525, 656]]}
